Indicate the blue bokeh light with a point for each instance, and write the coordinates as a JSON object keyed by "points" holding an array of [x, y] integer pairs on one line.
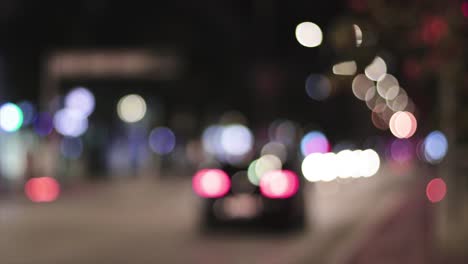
{"points": [[29, 112], [162, 140], [314, 142], [435, 147], [43, 124]]}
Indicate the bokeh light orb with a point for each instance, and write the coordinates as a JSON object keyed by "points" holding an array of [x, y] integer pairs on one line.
{"points": [[388, 86], [374, 101], [345, 68], [319, 167], [378, 119], [80, 99], [318, 87], [400, 102], [211, 139], [357, 35], [370, 163], [435, 147], [309, 34], [329, 162], [266, 164], [29, 112], [314, 142], [11, 117], [131, 108], [279, 184], [252, 173], [402, 150], [43, 124], [403, 124], [361, 86], [71, 147], [211, 183], [356, 162], [42, 189], [436, 190], [377, 69], [277, 149], [162, 140], [345, 164], [70, 122], [236, 140], [312, 166]]}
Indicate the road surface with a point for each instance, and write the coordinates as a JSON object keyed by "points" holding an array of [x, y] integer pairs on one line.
{"points": [[155, 221]]}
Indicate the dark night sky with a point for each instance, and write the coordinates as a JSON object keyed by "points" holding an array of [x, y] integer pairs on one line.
{"points": [[227, 45]]}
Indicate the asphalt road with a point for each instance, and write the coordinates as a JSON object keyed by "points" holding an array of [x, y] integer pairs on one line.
{"points": [[151, 221]]}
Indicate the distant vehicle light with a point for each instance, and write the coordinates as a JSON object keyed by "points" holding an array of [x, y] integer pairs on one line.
{"points": [[279, 184], [211, 183]]}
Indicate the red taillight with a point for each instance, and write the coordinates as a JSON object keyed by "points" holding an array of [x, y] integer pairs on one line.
{"points": [[279, 184], [211, 183]]}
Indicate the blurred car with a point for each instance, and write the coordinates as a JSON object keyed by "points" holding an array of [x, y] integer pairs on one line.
{"points": [[231, 199]]}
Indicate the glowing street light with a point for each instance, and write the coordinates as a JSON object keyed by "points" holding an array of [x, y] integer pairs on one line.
{"points": [[309, 34], [131, 108]]}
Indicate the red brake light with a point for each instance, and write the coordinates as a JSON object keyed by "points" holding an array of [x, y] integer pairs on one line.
{"points": [[211, 183], [279, 184]]}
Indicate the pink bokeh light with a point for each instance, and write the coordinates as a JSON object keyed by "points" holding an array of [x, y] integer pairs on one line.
{"points": [[436, 190], [211, 183], [42, 189], [279, 184], [314, 142]]}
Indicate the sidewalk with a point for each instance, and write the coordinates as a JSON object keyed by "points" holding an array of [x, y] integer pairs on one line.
{"points": [[405, 236]]}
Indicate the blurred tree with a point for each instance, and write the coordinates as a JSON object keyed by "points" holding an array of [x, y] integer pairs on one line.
{"points": [[429, 40]]}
